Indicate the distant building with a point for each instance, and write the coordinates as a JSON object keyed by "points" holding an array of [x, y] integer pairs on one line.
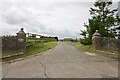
{"points": [[68, 39]]}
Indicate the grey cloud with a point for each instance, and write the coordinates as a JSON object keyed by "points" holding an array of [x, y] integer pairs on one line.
{"points": [[15, 15], [62, 19], [21, 17], [62, 33], [14, 19]]}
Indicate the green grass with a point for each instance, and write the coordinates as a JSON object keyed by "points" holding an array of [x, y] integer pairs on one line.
{"points": [[88, 48], [29, 40], [9, 53], [34, 49]]}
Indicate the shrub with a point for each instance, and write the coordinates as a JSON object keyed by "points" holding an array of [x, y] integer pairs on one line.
{"points": [[85, 41]]}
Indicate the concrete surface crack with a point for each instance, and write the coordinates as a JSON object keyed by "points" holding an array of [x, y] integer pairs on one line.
{"points": [[44, 70]]}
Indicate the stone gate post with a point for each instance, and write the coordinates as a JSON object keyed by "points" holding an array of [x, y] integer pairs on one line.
{"points": [[96, 40], [21, 40]]}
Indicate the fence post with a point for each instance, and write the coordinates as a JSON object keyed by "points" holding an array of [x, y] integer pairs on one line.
{"points": [[21, 40], [96, 40]]}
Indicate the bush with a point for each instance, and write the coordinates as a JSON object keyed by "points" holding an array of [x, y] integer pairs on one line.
{"points": [[82, 41], [85, 41]]}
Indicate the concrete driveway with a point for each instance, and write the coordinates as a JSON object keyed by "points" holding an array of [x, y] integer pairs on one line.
{"points": [[63, 61]]}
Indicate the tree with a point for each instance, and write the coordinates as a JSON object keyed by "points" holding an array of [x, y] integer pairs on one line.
{"points": [[33, 36], [102, 19], [56, 38], [83, 33], [118, 25]]}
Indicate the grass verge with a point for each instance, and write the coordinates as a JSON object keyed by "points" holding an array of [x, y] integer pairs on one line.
{"points": [[34, 49], [9, 53], [88, 48]]}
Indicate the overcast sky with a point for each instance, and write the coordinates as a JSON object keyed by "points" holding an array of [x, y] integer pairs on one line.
{"points": [[62, 18]]}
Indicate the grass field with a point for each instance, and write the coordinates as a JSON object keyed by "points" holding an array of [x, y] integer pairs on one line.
{"points": [[34, 49], [88, 48], [28, 40]]}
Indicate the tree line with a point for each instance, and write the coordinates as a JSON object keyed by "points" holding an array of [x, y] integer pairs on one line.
{"points": [[34, 37]]}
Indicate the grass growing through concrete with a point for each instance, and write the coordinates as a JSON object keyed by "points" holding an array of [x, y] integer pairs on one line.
{"points": [[34, 49], [88, 48]]}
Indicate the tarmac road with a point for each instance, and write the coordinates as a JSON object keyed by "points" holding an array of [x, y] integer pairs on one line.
{"points": [[63, 61]]}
